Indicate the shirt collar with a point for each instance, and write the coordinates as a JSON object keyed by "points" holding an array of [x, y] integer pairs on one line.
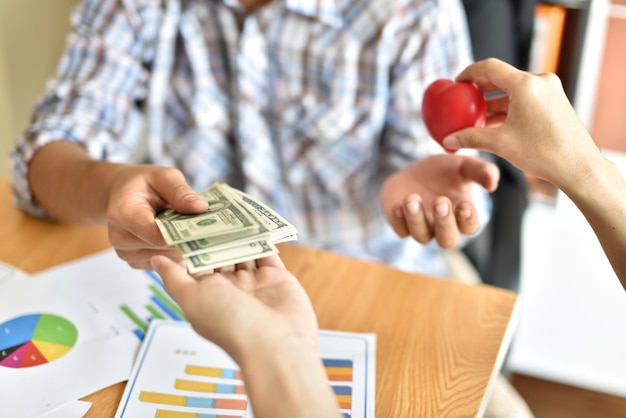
{"points": [[326, 11]]}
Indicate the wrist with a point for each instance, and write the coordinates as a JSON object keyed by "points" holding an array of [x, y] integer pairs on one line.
{"points": [[594, 178], [286, 378], [103, 174]]}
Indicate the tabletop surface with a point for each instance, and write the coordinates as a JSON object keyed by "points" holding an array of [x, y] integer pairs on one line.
{"points": [[439, 342]]}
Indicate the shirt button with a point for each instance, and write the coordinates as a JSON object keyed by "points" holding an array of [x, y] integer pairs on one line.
{"points": [[309, 101]]}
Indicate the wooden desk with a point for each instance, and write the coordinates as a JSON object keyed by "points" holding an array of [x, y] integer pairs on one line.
{"points": [[439, 342]]}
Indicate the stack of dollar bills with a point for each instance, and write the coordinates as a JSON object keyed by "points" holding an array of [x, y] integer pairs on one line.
{"points": [[236, 228]]}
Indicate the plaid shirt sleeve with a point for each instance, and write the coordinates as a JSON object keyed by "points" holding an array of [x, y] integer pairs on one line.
{"points": [[100, 82]]}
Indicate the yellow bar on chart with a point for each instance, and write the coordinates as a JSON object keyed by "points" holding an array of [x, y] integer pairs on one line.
{"points": [[207, 387], [162, 398], [194, 386], [193, 401], [213, 372], [160, 413], [339, 374]]}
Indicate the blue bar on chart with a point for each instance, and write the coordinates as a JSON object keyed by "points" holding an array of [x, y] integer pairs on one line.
{"points": [[155, 277], [166, 304], [340, 371]]}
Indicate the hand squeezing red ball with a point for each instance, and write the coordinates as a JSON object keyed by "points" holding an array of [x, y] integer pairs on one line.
{"points": [[449, 106]]}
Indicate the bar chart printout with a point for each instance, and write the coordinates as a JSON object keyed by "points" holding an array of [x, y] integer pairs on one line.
{"points": [[179, 374]]}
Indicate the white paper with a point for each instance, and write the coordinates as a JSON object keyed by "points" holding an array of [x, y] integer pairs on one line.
{"points": [[8, 272], [177, 371], [77, 319], [73, 409]]}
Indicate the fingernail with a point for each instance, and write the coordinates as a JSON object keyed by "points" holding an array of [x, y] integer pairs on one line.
{"points": [[442, 209], [413, 207], [465, 214], [192, 197], [155, 262], [451, 142]]}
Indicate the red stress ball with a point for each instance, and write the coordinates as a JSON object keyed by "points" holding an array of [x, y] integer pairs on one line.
{"points": [[449, 106]]}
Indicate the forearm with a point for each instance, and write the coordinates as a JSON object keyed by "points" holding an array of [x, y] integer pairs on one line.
{"points": [[69, 185], [288, 382], [601, 197]]}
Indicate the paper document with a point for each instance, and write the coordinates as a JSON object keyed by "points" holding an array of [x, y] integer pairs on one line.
{"points": [[72, 330], [180, 374]]}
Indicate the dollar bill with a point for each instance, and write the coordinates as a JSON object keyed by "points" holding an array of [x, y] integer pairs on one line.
{"points": [[271, 227], [280, 229], [229, 256], [224, 217], [203, 245], [235, 229]]}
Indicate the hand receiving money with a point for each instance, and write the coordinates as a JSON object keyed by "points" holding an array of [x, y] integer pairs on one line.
{"points": [[236, 228]]}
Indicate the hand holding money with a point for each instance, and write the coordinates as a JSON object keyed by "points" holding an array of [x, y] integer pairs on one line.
{"points": [[236, 228]]}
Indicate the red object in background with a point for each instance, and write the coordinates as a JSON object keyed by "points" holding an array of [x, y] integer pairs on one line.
{"points": [[449, 106]]}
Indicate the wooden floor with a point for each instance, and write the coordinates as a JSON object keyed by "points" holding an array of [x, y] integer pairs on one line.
{"points": [[553, 400]]}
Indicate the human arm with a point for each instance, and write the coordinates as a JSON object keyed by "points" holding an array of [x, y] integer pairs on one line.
{"points": [[66, 165], [261, 316], [74, 188], [535, 128]]}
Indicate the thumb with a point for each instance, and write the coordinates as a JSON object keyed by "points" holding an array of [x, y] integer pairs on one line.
{"points": [[173, 188], [175, 279], [480, 171], [484, 139]]}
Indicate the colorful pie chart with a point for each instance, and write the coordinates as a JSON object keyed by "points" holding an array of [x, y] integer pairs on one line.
{"points": [[35, 339]]}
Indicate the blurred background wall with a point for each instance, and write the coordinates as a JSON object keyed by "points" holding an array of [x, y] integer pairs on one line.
{"points": [[32, 37]]}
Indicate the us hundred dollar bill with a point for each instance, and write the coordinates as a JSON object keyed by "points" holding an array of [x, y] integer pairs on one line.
{"points": [[280, 229], [221, 242], [271, 227], [225, 216], [236, 228], [229, 256]]}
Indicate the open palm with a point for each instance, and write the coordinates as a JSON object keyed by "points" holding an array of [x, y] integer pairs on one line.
{"points": [[264, 301]]}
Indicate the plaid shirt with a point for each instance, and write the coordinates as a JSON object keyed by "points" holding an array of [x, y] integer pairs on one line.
{"points": [[307, 105]]}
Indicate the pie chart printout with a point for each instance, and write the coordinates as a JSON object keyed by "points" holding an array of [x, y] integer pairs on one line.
{"points": [[35, 339]]}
